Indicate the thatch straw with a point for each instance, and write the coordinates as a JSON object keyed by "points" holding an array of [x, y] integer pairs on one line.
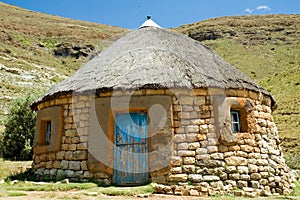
{"points": [[154, 58]]}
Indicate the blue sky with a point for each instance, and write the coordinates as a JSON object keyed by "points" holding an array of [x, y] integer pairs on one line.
{"points": [[167, 13]]}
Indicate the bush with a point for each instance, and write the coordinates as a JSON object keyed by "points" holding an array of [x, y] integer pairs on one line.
{"points": [[292, 160], [19, 129]]}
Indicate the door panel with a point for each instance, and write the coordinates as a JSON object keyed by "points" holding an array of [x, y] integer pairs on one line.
{"points": [[131, 148]]}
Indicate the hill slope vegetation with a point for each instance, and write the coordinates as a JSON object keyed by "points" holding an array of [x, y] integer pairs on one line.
{"points": [[39, 50]]}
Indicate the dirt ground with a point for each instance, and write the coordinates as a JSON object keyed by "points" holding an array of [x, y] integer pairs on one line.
{"points": [[90, 196]]}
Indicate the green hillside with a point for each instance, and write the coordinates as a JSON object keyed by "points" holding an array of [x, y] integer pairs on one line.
{"points": [[39, 50]]}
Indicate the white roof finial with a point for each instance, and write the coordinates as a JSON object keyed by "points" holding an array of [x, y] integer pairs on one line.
{"points": [[149, 22]]}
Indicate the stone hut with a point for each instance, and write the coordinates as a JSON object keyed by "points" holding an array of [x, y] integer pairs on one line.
{"points": [[157, 106]]}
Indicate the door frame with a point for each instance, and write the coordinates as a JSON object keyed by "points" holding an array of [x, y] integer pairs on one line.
{"points": [[111, 132]]}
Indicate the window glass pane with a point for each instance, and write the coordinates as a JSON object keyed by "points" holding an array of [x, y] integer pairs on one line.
{"points": [[235, 127], [235, 117], [235, 121], [48, 132]]}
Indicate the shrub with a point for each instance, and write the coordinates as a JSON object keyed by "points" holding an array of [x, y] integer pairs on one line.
{"points": [[19, 129], [292, 160]]}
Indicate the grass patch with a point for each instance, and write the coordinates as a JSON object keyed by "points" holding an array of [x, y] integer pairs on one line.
{"points": [[80, 190], [297, 189], [12, 168], [50, 43], [35, 186], [126, 191], [16, 194], [226, 197]]}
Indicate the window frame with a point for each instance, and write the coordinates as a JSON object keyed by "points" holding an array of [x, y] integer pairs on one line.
{"points": [[236, 122], [54, 115]]}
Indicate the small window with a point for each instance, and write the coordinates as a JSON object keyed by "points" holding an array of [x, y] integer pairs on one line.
{"points": [[48, 132], [235, 121]]}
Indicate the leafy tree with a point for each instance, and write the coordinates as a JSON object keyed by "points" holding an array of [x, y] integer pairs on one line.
{"points": [[19, 129]]}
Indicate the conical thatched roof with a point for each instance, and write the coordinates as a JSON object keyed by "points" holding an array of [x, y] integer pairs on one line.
{"points": [[152, 57]]}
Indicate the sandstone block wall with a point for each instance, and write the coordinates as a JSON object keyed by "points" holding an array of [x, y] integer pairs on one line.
{"points": [[204, 164], [206, 158], [71, 161]]}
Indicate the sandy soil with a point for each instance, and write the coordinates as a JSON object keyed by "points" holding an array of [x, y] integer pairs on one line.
{"points": [[90, 196]]}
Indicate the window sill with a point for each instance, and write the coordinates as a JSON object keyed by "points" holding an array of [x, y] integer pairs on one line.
{"points": [[40, 149]]}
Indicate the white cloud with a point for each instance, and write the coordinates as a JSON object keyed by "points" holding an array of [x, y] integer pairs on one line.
{"points": [[262, 7], [248, 10]]}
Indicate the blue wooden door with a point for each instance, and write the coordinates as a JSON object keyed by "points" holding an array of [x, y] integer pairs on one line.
{"points": [[131, 147]]}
